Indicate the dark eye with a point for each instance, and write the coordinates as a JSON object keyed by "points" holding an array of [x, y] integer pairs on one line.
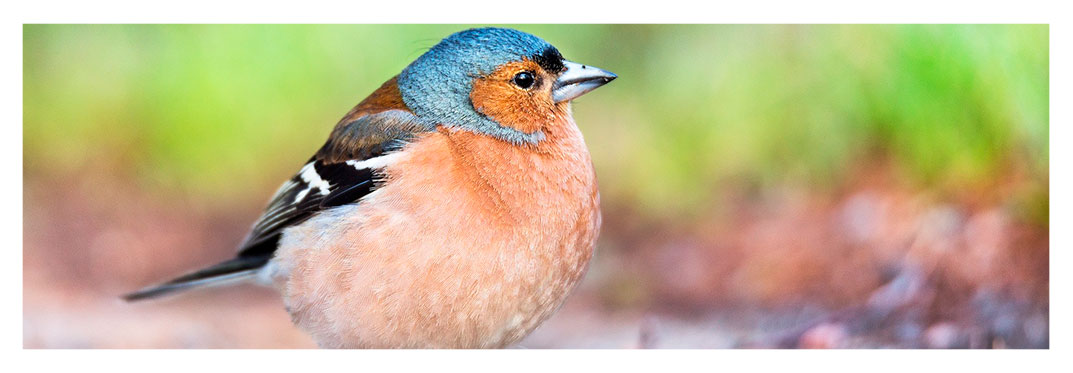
{"points": [[524, 80]]}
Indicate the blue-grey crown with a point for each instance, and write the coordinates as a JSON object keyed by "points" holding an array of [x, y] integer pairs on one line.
{"points": [[436, 86]]}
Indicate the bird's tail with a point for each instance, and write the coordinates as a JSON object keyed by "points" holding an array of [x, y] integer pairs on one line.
{"points": [[231, 271]]}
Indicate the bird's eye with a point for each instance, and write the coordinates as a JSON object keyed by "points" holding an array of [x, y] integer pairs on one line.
{"points": [[524, 80]]}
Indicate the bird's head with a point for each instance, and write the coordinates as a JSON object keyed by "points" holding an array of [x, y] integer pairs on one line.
{"points": [[500, 82]]}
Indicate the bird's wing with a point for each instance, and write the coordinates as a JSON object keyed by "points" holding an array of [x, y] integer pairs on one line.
{"points": [[341, 172]]}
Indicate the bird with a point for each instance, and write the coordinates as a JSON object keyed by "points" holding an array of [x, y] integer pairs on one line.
{"points": [[455, 207]]}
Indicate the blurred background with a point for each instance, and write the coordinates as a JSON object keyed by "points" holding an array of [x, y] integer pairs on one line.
{"points": [[763, 186]]}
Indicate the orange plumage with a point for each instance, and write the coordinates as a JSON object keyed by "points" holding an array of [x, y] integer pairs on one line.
{"points": [[470, 243]]}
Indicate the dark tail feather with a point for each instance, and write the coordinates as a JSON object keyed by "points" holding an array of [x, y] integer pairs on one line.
{"points": [[231, 270]]}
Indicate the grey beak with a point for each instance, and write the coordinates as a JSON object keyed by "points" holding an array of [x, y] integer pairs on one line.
{"points": [[579, 79]]}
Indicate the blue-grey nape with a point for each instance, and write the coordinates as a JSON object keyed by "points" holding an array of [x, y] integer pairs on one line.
{"points": [[437, 85]]}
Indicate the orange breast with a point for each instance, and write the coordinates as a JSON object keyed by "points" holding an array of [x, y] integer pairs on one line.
{"points": [[471, 242]]}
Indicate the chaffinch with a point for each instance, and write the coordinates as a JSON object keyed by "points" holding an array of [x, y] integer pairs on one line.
{"points": [[455, 207]]}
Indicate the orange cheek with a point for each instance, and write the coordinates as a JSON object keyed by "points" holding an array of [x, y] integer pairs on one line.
{"points": [[526, 111]]}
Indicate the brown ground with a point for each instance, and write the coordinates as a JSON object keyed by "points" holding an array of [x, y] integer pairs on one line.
{"points": [[871, 265]]}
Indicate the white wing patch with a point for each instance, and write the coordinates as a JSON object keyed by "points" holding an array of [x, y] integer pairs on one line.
{"points": [[376, 162], [309, 174], [313, 180]]}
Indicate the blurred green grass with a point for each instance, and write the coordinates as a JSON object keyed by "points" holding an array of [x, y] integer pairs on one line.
{"points": [[228, 111]]}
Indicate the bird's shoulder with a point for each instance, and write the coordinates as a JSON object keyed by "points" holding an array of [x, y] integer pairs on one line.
{"points": [[345, 169]]}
